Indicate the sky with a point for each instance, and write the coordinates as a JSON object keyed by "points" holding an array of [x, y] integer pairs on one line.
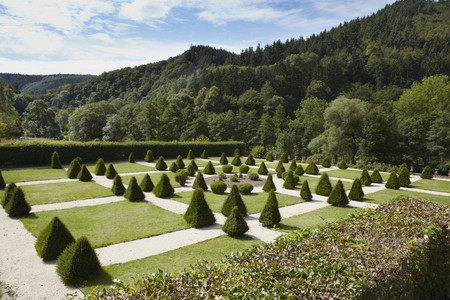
{"points": [[96, 36]]}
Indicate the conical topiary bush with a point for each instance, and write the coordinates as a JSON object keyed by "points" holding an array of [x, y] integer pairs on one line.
{"points": [[198, 213], [338, 196], [8, 193], [223, 159], [163, 189], [53, 239], [235, 224], [17, 206], [190, 170], [234, 199], [324, 186], [194, 165], [173, 167], [365, 178], [190, 155], [134, 192], [149, 156], [269, 156], [161, 164], [270, 215], [55, 163], [74, 169], [181, 177], [356, 192], [427, 173], [2, 181], [403, 176], [293, 165], [118, 189], [146, 184], [289, 180], [236, 152], [299, 170], [110, 172], [392, 182], [80, 160], [77, 262], [280, 170], [236, 161], [342, 165], [199, 182], [305, 192], [209, 169], [376, 176], [100, 167], [250, 161], [204, 154], [84, 174], [326, 162], [269, 185], [284, 158], [262, 170], [180, 162], [312, 169], [131, 157]]}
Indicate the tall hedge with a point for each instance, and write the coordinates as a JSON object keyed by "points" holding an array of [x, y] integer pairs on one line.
{"points": [[118, 188], [269, 156], [234, 199], [312, 169], [204, 154], [53, 239], [427, 173], [163, 189], [235, 224], [289, 182], [392, 182], [250, 161], [74, 169], [8, 193], [134, 192], [146, 184], [305, 192], [376, 176], [269, 185], [284, 158], [198, 214], [149, 156], [84, 174], [209, 169], [180, 162], [131, 158], [55, 163], [338, 197], [223, 159], [161, 164], [199, 182], [236, 161], [365, 178], [17, 206], [270, 215], [2, 181], [110, 171], [262, 170], [324, 186], [356, 192], [190, 154], [100, 167]]}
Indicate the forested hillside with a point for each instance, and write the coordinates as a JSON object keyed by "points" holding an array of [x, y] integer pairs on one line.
{"points": [[372, 89]]}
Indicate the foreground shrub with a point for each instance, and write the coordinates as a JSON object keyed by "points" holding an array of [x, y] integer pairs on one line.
{"points": [[326, 162], [269, 185], [356, 192], [161, 164], [100, 167], [118, 189], [180, 162], [312, 169], [8, 193], [194, 165], [376, 176], [74, 169], [204, 154], [284, 158], [53, 239], [262, 170], [17, 206], [131, 158], [227, 168], [84, 174], [252, 175], [365, 178], [250, 161], [289, 180], [269, 156], [223, 159], [258, 151], [134, 192], [2, 181], [244, 169], [403, 177], [77, 262], [209, 169], [164, 189], [218, 187], [235, 224], [324, 186], [236, 161], [299, 170], [110, 172], [245, 188], [270, 215], [190, 170], [305, 192], [342, 165], [198, 213], [173, 167], [181, 176], [190, 155], [149, 156], [337, 196], [199, 182], [392, 182], [427, 173], [234, 199], [55, 163], [146, 184]]}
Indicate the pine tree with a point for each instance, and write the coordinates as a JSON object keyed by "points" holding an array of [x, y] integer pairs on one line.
{"points": [[250, 161], [305, 192], [270, 215], [84, 174], [326, 162], [131, 157], [194, 165], [299, 170], [223, 159], [209, 169], [269, 185], [146, 184], [356, 192], [293, 165], [376, 176], [110, 172], [338, 196], [289, 180], [262, 170], [392, 182], [53, 239], [198, 213], [204, 154], [2, 181], [161, 164], [235, 224], [100, 167], [324, 186], [118, 189], [284, 158], [149, 156], [236, 161], [199, 182], [134, 192], [427, 173], [173, 167], [17, 206], [234, 199], [8, 193], [342, 165], [312, 169], [269, 156], [365, 178], [403, 177], [55, 162], [190, 155], [163, 189], [74, 169], [180, 162]]}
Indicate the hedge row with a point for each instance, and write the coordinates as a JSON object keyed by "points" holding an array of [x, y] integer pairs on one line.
{"points": [[40, 153]]}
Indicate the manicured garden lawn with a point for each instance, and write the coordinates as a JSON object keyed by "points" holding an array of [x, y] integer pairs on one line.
{"points": [[155, 178], [352, 174], [432, 185], [110, 223], [254, 202], [63, 191], [32, 175], [126, 167], [389, 194], [172, 261]]}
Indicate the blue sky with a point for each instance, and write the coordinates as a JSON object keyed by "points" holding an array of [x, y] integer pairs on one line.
{"points": [[95, 36]]}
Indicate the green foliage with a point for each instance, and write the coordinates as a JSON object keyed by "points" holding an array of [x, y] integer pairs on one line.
{"points": [[77, 262], [403, 177], [53, 239], [236, 161], [227, 168], [2, 181], [270, 215], [356, 192], [262, 170], [289, 180], [198, 213], [74, 169], [223, 159], [299, 170], [8, 193], [324, 186], [305, 192], [181, 176], [190, 155], [80, 160], [190, 170], [252, 175], [173, 167], [110, 171], [236, 152], [269, 185], [312, 169], [293, 165], [84, 174], [326, 162], [338, 196], [427, 173], [131, 157], [234, 199], [209, 168], [245, 188], [258, 151], [55, 162], [235, 224], [100, 167], [392, 182], [149, 156], [199, 182], [146, 184], [269, 156], [194, 165], [161, 164], [250, 161], [365, 178], [17, 206], [234, 178], [376, 176], [284, 158], [134, 192], [244, 169], [118, 189], [218, 187], [180, 162], [342, 165], [204, 154], [164, 189]]}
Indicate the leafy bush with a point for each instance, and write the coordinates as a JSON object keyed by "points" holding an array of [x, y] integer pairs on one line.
{"points": [[250, 161], [181, 177], [17, 206], [118, 189], [55, 163], [149, 156], [269, 185], [258, 151], [365, 178], [403, 177], [392, 182], [284, 158], [235, 224], [262, 170], [222, 175], [8, 193], [223, 159], [173, 167], [289, 180], [204, 154], [234, 199], [2, 181], [190, 170], [131, 158], [244, 169], [80, 160], [270, 215], [194, 165], [84, 174], [324, 186], [236, 161], [161, 164], [146, 184], [338, 196], [376, 176], [280, 165], [209, 168], [164, 189], [74, 169], [252, 175], [305, 192], [190, 154], [198, 213], [269, 156], [293, 165], [280, 171], [356, 192], [299, 170], [312, 169], [427, 173], [180, 162], [53, 239], [227, 168], [234, 178], [326, 162], [245, 188], [100, 167], [77, 262], [342, 165], [218, 187], [236, 152], [134, 192], [110, 172], [199, 182]]}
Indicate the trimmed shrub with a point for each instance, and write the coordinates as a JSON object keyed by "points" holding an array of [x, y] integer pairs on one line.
{"points": [[134, 192], [204, 154], [84, 174], [53, 239], [118, 189], [110, 172], [223, 159], [235, 224], [427, 173], [146, 184], [222, 175], [234, 199], [403, 177], [149, 156], [342, 165], [234, 178], [299, 170], [250, 161], [77, 262], [338, 196], [365, 178], [326, 162], [280, 171], [284, 158], [181, 176], [198, 214], [194, 165], [74, 169], [262, 170], [180, 162], [244, 169], [245, 188], [269, 185], [236, 152], [293, 165], [296, 179], [289, 180], [270, 215], [252, 175], [161, 164], [218, 187], [305, 192], [55, 163], [100, 167], [80, 160], [324, 186], [163, 189], [356, 192], [236, 161], [173, 167], [190, 155], [209, 169], [269, 156], [376, 176], [8, 193], [392, 182], [2, 181], [258, 151], [404, 166], [312, 169], [227, 168], [190, 170], [17, 206], [279, 165], [199, 182], [131, 157]]}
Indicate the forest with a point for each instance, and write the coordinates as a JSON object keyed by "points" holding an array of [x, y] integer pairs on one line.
{"points": [[373, 89]]}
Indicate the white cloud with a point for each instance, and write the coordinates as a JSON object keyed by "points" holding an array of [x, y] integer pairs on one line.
{"points": [[145, 10]]}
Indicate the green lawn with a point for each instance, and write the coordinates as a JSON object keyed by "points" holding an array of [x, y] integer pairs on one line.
{"points": [[352, 174], [254, 202], [432, 185], [389, 194], [155, 178], [172, 261], [63, 191], [110, 223], [32, 175], [126, 168]]}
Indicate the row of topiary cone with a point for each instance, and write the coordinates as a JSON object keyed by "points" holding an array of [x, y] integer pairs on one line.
{"points": [[14, 202]]}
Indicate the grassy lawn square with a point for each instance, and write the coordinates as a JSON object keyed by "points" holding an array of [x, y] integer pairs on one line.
{"points": [[156, 177], [389, 194], [432, 185], [125, 167], [25, 175], [110, 223], [352, 174]]}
